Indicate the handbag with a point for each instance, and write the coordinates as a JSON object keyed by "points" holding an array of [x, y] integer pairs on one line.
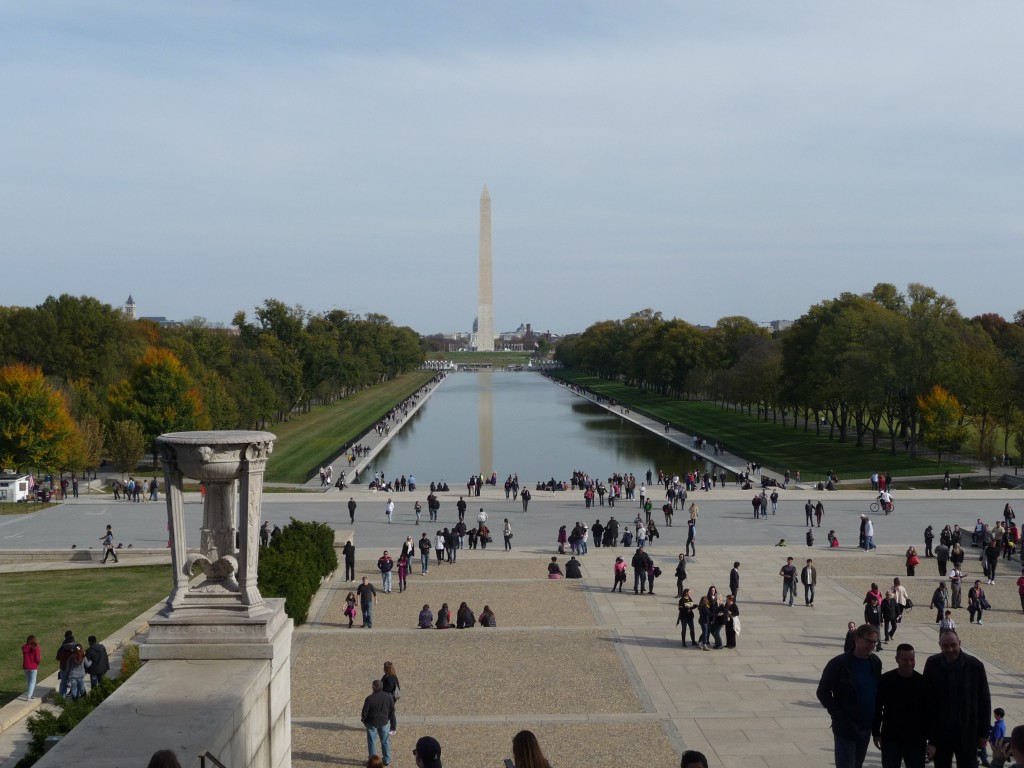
{"points": [[736, 624], [398, 693]]}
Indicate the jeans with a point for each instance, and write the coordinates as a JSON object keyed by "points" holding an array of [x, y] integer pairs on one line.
{"points": [[716, 632], [895, 752], [424, 561], [788, 588], [94, 680], [691, 545], [850, 753], [703, 639], [387, 581], [583, 547], [375, 733], [808, 593], [639, 581], [30, 682], [367, 614], [76, 687], [508, 543], [869, 543]]}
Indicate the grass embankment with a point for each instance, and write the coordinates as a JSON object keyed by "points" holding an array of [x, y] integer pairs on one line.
{"points": [[306, 442], [777, 447], [88, 602]]}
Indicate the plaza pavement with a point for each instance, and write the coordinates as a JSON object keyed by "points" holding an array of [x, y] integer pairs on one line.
{"points": [[600, 677]]}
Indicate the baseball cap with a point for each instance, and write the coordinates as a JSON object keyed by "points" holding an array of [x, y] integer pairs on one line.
{"points": [[428, 750]]}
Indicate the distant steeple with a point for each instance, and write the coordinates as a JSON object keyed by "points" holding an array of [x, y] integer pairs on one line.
{"points": [[129, 308]]}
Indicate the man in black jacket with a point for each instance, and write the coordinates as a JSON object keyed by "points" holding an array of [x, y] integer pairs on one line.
{"points": [[641, 563], [734, 579], [378, 709], [680, 574], [963, 704], [903, 712], [99, 663], [848, 690]]}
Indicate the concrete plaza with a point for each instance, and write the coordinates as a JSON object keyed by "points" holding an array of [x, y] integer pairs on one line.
{"points": [[600, 677]]}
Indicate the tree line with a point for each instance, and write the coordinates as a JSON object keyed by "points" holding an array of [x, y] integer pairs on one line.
{"points": [[882, 367], [80, 381]]}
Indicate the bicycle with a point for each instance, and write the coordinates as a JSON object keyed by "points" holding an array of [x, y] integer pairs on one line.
{"points": [[877, 505]]}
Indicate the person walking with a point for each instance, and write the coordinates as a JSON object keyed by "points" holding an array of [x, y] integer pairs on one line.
{"points": [[31, 657], [788, 574], [349, 553], [977, 603], [809, 578], [691, 536], [108, 545], [524, 496], [391, 686], [681, 575], [378, 709], [424, 547], [506, 533], [385, 565], [389, 509], [367, 598], [352, 510]]}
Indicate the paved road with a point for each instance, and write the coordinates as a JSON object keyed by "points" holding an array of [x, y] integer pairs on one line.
{"points": [[725, 518]]}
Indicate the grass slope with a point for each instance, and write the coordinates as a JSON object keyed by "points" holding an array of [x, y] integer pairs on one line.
{"points": [[777, 447], [88, 602], [308, 441]]}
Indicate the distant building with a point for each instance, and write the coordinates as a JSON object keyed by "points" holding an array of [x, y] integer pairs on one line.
{"points": [[129, 308], [780, 325]]}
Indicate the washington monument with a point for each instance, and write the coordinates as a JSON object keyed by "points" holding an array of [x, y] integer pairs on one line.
{"points": [[485, 312]]}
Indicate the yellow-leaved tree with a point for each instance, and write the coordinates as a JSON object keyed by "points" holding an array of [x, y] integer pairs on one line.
{"points": [[36, 430], [942, 420]]}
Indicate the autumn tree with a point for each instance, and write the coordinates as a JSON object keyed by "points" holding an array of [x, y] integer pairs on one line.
{"points": [[942, 420], [160, 395], [36, 429], [126, 444]]}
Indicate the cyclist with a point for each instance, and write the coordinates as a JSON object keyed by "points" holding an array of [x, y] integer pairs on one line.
{"points": [[885, 500]]}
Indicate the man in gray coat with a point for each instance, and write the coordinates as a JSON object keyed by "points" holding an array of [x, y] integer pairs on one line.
{"points": [[378, 709]]}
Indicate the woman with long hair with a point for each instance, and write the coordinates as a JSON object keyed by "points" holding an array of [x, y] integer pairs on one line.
{"points": [[389, 682], [704, 619], [31, 657], [526, 752], [444, 617]]}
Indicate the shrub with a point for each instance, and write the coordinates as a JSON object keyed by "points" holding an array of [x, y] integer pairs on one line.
{"points": [[294, 563]]}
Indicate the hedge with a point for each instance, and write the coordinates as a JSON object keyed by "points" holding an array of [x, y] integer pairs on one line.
{"points": [[295, 562]]}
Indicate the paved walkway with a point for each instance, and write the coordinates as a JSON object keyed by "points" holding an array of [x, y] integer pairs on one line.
{"points": [[600, 677]]}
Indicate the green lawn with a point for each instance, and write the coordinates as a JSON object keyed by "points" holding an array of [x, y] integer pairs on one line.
{"points": [[308, 441], [777, 447], [88, 602]]}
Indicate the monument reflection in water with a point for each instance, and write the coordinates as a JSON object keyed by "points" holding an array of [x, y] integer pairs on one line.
{"points": [[521, 423]]}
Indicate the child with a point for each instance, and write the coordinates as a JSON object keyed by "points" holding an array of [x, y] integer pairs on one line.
{"points": [[403, 571], [350, 607], [620, 573], [996, 732], [947, 622]]}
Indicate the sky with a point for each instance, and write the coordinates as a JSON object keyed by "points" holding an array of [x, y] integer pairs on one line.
{"points": [[700, 159]]}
